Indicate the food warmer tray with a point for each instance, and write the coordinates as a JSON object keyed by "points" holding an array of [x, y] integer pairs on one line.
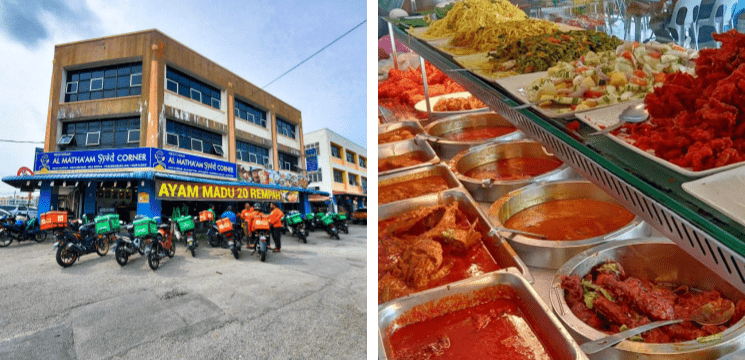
{"points": [[439, 170], [651, 191], [404, 147]]}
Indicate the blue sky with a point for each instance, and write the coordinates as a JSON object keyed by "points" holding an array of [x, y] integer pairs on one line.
{"points": [[257, 40]]}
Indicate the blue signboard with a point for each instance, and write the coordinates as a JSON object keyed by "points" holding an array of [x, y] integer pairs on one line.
{"points": [[311, 152], [311, 164], [128, 158], [132, 158], [187, 163]]}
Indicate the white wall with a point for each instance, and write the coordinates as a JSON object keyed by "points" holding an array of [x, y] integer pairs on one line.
{"points": [[199, 109], [289, 142], [252, 128]]}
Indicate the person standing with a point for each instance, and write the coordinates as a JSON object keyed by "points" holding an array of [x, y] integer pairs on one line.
{"points": [[275, 220], [211, 222], [247, 217]]}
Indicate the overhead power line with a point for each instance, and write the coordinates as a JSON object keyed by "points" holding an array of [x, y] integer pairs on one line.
{"points": [[316, 53], [21, 141]]}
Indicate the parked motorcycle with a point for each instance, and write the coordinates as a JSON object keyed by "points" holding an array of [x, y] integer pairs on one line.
{"points": [[261, 230], [19, 230], [184, 227], [128, 246], [340, 220], [296, 226], [309, 222], [227, 235], [328, 223], [76, 240], [162, 246]]}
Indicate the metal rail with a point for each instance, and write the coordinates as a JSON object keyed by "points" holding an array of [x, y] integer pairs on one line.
{"points": [[651, 191]]}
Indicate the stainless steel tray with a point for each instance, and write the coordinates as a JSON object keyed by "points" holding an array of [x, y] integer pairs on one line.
{"points": [[439, 170], [656, 259], [414, 126], [498, 248], [447, 149], [545, 324], [407, 146], [552, 254], [489, 190]]}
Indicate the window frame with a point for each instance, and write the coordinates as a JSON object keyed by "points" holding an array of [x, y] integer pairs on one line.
{"points": [[87, 138], [201, 144], [174, 135], [333, 175], [67, 87], [191, 94], [129, 134], [66, 143], [218, 150], [91, 84], [131, 78]]}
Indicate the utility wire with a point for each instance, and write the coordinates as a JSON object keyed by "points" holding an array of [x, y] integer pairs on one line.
{"points": [[21, 141], [316, 53]]}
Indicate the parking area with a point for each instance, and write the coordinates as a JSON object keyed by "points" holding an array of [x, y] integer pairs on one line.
{"points": [[307, 302]]}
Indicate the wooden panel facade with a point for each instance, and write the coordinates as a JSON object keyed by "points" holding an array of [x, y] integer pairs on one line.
{"points": [[156, 51]]}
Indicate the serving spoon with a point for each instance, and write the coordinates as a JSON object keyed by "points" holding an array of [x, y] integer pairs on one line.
{"points": [[707, 314], [632, 114]]}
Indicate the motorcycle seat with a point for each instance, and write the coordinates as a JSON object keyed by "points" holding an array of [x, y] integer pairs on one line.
{"points": [[164, 226]]}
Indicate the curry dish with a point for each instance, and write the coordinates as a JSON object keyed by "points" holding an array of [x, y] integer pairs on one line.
{"points": [[395, 135], [401, 161], [410, 189], [479, 133], [428, 247], [610, 301], [574, 219], [514, 168], [490, 324]]}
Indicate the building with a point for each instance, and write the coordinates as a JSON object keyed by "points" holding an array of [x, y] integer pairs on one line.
{"points": [[138, 123], [341, 170]]}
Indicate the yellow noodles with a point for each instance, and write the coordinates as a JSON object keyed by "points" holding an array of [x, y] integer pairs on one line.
{"points": [[490, 38], [470, 15]]}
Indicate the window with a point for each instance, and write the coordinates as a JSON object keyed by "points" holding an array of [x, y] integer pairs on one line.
{"points": [[218, 150], [191, 138], [191, 88], [363, 162], [287, 162], [315, 176], [103, 82], [352, 179], [250, 113], [100, 134], [350, 157], [338, 176], [364, 184], [285, 128], [133, 136], [251, 153], [336, 151]]}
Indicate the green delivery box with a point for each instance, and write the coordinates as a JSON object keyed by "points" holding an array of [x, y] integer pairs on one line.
{"points": [[106, 224], [185, 223], [294, 219], [145, 227], [327, 219], [343, 217]]}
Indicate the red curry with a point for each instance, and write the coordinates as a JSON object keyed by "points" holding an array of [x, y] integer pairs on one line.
{"points": [[410, 189], [395, 135], [401, 161], [428, 247], [574, 219], [479, 133], [478, 327], [514, 168]]}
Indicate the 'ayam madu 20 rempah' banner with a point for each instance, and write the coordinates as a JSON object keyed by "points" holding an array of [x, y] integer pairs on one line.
{"points": [[176, 190]]}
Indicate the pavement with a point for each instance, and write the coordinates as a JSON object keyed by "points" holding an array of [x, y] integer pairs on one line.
{"points": [[307, 302]]}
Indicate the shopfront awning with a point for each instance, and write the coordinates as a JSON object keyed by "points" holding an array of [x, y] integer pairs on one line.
{"points": [[345, 193], [319, 198], [32, 180]]}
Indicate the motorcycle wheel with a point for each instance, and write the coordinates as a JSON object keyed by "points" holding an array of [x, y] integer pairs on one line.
{"points": [[121, 256], [102, 247], [263, 255], [346, 230], [336, 235], [193, 252], [214, 241], [172, 250], [152, 258], [65, 258], [40, 236], [5, 240], [235, 253]]}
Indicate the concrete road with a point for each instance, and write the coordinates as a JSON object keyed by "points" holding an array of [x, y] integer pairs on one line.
{"points": [[307, 302]]}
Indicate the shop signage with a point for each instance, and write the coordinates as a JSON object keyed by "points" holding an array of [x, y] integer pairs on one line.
{"points": [[158, 159], [311, 159], [176, 190]]}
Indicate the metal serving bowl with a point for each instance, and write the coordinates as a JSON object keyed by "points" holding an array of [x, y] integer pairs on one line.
{"points": [[552, 254], [404, 147], [545, 324], [403, 177], [447, 149], [660, 260], [413, 126], [489, 190]]}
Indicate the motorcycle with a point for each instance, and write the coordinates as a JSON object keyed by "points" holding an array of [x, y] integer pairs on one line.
{"points": [[128, 246], [261, 230], [19, 230], [76, 240], [185, 228], [309, 222], [296, 226], [340, 220], [327, 221], [231, 236], [162, 246]]}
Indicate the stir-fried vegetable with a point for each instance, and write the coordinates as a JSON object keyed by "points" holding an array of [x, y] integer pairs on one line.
{"points": [[609, 77]]}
